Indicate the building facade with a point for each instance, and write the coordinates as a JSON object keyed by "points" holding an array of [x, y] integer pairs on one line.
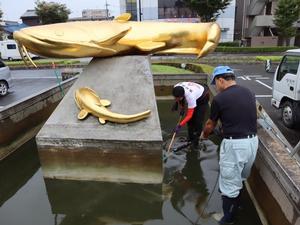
{"points": [[95, 13], [254, 23], [226, 22], [175, 11], [30, 18], [140, 9]]}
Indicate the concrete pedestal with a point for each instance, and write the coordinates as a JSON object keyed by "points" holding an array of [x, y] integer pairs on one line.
{"points": [[86, 150]]}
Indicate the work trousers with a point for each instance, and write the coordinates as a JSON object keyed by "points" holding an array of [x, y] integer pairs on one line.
{"points": [[236, 159]]}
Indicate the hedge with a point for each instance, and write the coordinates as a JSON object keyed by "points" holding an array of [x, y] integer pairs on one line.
{"points": [[229, 44], [197, 68], [251, 49]]}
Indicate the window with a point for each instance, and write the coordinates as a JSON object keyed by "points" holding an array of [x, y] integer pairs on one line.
{"points": [[131, 7], [11, 46], [289, 64]]}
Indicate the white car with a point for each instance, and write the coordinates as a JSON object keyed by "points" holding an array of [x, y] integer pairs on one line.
{"points": [[5, 79]]}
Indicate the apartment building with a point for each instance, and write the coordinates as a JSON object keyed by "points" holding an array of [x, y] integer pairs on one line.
{"points": [[254, 23]]}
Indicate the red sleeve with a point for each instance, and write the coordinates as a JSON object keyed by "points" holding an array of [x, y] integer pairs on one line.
{"points": [[187, 117]]}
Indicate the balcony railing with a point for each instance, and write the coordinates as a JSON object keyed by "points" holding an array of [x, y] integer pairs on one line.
{"points": [[256, 7]]}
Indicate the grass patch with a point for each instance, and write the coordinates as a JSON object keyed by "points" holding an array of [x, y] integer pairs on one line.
{"points": [[162, 69], [206, 68], [272, 58], [227, 49], [65, 62]]}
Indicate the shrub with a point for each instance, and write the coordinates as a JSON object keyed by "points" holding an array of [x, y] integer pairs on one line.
{"points": [[251, 49], [230, 44]]}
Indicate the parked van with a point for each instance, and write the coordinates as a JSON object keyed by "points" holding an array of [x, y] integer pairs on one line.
{"points": [[286, 88], [9, 50]]}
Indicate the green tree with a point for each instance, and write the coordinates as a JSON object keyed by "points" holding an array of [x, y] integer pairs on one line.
{"points": [[207, 10], [51, 12], [286, 14]]}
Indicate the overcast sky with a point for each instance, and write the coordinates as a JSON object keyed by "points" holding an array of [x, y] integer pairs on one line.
{"points": [[13, 9]]}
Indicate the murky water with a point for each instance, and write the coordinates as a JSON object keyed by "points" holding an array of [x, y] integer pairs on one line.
{"points": [[188, 195]]}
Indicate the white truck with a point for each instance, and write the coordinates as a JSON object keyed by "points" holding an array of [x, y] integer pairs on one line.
{"points": [[286, 88], [9, 50]]}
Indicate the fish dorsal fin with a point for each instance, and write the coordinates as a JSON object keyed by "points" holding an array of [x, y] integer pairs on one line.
{"points": [[82, 114], [105, 102], [150, 45], [102, 121], [112, 40], [124, 17]]}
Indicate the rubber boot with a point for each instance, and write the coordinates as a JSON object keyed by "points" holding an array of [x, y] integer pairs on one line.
{"points": [[230, 206]]}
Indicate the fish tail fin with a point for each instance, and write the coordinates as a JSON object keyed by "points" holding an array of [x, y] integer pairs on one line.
{"points": [[133, 117], [213, 37], [145, 113], [142, 115]]}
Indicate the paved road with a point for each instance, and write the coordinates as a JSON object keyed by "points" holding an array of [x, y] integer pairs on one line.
{"points": [[26, 83], [261, 83]]}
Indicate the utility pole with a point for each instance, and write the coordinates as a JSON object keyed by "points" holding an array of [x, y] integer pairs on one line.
{"points": [[106, 9], [140, 10], [243, 20]]}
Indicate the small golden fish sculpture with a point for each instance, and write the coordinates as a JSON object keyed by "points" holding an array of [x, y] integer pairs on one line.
{"points": [[117, 37], [90, 103]]}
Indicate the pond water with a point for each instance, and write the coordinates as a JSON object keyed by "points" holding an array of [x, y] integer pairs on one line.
{"points": [[188, 195]]}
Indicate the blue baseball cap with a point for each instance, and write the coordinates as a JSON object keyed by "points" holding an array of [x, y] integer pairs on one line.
{"points": [[219, 71]]}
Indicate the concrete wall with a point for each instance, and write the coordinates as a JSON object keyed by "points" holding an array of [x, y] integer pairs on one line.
{"points": [[21, 121], [264, 41]]}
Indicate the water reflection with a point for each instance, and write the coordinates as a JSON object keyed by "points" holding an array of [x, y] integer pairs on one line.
{"points": [[87, 203], [181, 200], [17, 169], [188, 195]]}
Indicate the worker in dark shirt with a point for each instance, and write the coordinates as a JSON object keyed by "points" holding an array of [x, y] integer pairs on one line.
{"points": [[235, 107]]}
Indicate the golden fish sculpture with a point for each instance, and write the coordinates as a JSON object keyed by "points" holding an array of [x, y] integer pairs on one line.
{"points": [[117, 37], [90, 103]]}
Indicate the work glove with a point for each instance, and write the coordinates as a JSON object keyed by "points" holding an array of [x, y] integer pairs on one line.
{"points": [[174, 107], [181, 112], [177, 129]]}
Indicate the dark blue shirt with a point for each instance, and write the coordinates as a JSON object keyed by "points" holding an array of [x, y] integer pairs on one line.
{"points": [[236, 109]]}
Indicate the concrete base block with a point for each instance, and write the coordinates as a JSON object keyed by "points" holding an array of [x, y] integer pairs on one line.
{"points": [[86, 150]]}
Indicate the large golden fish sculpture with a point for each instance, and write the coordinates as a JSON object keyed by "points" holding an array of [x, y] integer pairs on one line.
{"points": [[117, 37], [90, 103]]}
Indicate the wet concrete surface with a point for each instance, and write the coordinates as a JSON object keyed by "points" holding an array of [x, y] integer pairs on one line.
{"points": [[27, 83], [188, 195]]}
